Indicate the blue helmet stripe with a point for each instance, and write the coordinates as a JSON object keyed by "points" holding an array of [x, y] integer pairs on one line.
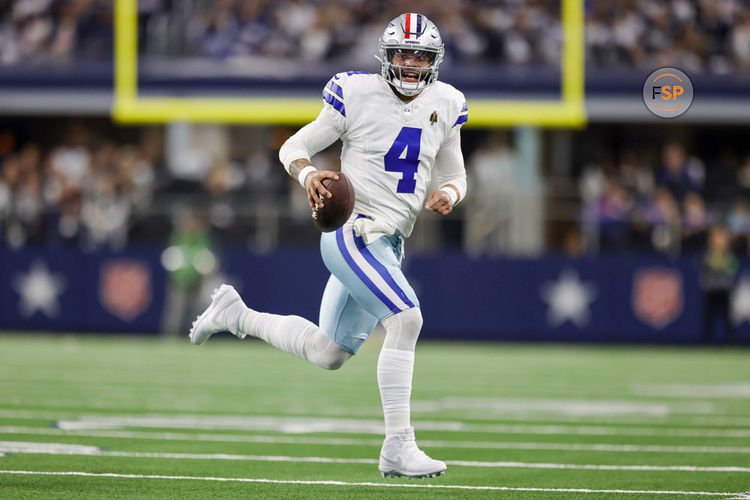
{"points": [[419, 23]]}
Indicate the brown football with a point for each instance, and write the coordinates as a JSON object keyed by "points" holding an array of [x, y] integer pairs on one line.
{"points": [[338, 207]]}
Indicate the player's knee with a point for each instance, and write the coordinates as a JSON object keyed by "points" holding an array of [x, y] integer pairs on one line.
{"points": [[332, 358], [325, 353], [335, 360], [412, 319], [402, 329]]}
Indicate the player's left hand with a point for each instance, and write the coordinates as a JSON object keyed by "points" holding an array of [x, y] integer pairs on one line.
{"points": [[439, 202]]}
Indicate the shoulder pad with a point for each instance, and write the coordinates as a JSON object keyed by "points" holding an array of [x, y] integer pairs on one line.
{"points": [[334, 92]]}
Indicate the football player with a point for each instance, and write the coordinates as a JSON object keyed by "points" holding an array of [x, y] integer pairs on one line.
{"points": [[399, 128]]}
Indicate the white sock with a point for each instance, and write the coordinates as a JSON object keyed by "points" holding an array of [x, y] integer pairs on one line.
{"points": [[395, 369], [295, 335], [288, 333]]}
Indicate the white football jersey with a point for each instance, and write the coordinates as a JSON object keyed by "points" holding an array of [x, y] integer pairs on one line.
{"points": [[389, 146]]}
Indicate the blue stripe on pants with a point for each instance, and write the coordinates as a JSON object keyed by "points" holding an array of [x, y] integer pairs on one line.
{"points": [[381, 270], [360, 274]]}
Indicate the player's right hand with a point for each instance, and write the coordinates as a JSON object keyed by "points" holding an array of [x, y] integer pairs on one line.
{"points": [[316, 192]]}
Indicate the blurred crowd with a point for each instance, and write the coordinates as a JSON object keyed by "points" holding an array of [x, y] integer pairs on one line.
{"points": [[668, 205], [473, 31], [96, 187], [48, 31], [92, 187], [81, 193], [695, 35]]}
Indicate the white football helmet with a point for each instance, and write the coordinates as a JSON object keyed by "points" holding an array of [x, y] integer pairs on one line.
{"points": [[416, 33]]}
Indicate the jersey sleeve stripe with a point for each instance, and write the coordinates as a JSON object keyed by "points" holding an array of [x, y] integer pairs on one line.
{"points": [[335, 88], [337, 105], [465, 108], [331, 94], [462, 119]]}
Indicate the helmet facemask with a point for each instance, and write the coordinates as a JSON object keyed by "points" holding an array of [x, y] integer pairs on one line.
{"points": [[410, 32], [400, 75]]}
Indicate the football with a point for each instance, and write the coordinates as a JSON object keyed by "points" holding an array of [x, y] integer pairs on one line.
{"points": [[338, 208]]}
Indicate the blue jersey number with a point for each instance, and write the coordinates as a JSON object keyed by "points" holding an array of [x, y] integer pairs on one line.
{"points": [[408, 139]]}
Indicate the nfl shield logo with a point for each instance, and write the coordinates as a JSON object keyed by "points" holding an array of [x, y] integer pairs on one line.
{"points": [[125, 287], [657, 296]]}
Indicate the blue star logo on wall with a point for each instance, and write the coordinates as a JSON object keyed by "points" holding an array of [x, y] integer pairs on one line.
{"points": [[568, 299], [741, 301], [39, 290]]}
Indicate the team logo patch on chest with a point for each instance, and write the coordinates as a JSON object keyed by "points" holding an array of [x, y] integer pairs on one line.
{"points": [[433, 118]]}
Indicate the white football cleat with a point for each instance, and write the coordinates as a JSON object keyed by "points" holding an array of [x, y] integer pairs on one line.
{"points": [[221, 315], [400, 456]]}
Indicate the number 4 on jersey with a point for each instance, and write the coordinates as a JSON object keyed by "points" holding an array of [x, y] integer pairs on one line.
{"points": [[404, 157]]}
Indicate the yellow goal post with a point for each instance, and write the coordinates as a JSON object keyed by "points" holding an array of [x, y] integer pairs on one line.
{"points": [[129, 107]]}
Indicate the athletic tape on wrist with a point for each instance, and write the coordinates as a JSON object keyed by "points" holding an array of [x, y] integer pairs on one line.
{"points": [[303, 174], [452, 195]]}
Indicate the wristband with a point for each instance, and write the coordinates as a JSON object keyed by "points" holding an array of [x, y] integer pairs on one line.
{"points": [[452, 195], [303, 174]]}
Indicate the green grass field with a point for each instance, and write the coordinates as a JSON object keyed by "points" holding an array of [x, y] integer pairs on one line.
{"points": [[122, 417]]}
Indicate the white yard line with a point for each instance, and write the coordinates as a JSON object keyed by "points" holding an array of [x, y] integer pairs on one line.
{"points": [[562, 406], [520, 416], [47, 448], [738, 390], [375, 485], [660, 468], [304, 425], [67, 449], [427, 443]]}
